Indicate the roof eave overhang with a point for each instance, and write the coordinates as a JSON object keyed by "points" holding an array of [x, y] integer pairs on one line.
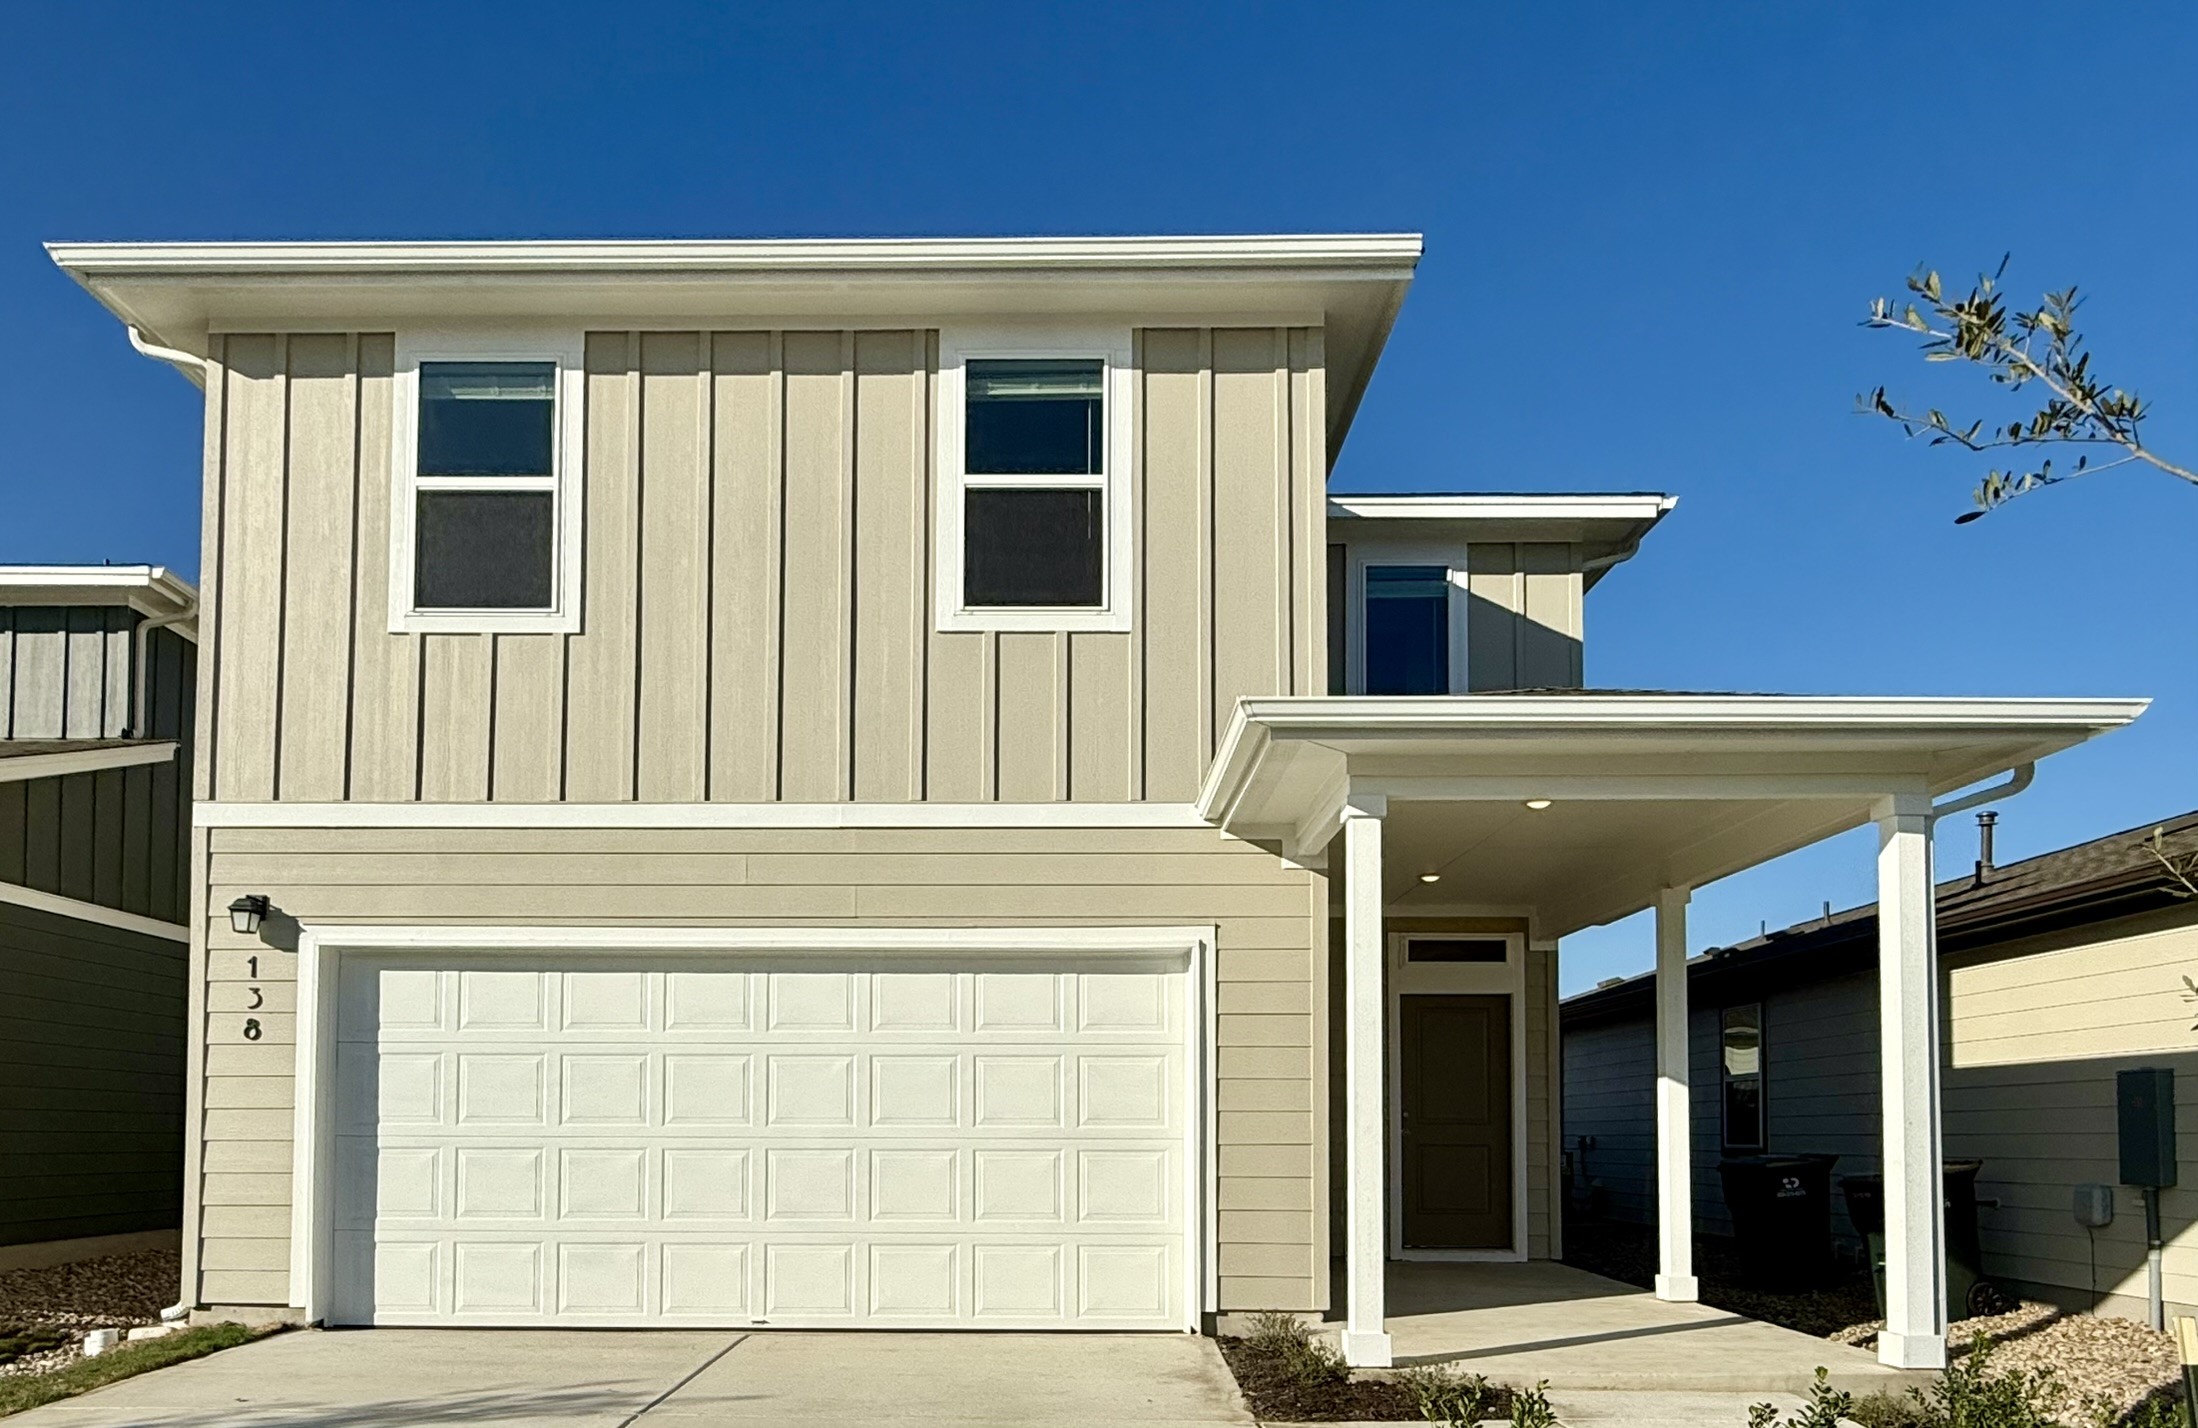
{"points": [[152, 590], [1607, 527], [1287, 766], [19, 768], [1352, 285]]}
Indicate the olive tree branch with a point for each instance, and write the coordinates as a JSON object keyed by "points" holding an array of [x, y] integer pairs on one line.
{"points": [[2079, 411]]}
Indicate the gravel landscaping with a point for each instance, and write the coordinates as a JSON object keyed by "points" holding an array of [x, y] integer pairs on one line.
{"points": [[114, 1292], [2114, 1361]]}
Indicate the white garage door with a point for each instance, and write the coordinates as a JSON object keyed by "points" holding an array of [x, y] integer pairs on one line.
{"points": [[726, 1145]]}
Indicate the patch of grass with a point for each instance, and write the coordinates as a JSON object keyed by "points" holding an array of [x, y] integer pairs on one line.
{"points": [[124, 1361], [1307, 1362]]}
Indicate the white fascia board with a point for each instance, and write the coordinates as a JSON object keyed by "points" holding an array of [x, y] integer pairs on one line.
{"points": [[92, 912], [881, 255], [695, 815], [149, 589], [1340, 717], [121, 756], [1623, 506]]}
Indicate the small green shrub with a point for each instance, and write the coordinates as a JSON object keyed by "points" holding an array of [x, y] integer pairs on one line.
{"points": [[1827, 1407], [1530, 1408], [1309, 1362], [1446, 1397], [2162, 1410]]}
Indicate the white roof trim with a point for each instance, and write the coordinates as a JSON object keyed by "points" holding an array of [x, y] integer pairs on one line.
{"points": [[152, 590], [98, 913], [222, 814], [118, 756], [1628, 506], [912, 255]]}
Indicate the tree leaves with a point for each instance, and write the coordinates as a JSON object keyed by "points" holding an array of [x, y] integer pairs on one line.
{"points": [[2016, 349]]}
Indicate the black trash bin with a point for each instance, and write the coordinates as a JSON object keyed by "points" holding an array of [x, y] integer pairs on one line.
{"points": [[1781, 1209], [1967, 1292]]}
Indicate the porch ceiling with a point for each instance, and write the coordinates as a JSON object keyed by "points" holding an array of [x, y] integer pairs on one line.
{"points": [[1646, 791]]}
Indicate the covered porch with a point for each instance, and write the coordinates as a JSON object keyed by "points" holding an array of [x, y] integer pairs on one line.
{"points": [[1541, 1321], [1555, 812]]}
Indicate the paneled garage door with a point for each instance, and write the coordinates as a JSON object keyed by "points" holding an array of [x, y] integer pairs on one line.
{"points": [[527, 1141]]}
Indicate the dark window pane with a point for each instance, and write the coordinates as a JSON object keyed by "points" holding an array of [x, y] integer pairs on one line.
{"points": [[1033, 417], [487, 418], [1338, 655], [1744, 1114], [1456, 949], [483, 550], [1032, 547], [1407, 629]]}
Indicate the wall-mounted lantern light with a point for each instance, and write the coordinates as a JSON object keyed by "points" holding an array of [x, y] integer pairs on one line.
{"points": [[246, 913]]}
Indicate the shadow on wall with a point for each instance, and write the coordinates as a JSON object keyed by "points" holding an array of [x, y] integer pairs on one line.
{"points": [[2044, 1127], [1508, 649]]}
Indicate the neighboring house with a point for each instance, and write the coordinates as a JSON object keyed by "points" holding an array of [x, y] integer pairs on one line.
{"points": [[97, 680], [847, 783], [2060, 971]]}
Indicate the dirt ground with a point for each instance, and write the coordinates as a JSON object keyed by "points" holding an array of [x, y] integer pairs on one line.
{"points": [[2118, 1361]]}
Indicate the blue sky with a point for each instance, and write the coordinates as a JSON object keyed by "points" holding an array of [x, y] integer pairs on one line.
{"points": [[1649, 232]]}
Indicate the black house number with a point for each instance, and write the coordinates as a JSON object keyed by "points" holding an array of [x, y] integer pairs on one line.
{"points": [[252, 1031]]}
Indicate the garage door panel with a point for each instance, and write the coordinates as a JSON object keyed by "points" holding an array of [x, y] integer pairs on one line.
{"points": [[621, 1145]]}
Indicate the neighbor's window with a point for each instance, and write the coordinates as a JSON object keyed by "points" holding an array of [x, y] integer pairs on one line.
{"points": [[1741, 1043], [480, 534], [1407, 629], [1034, 482]]}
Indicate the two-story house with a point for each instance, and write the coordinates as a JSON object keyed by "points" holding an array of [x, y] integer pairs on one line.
{"points": [[867, 783], [97, 680]]}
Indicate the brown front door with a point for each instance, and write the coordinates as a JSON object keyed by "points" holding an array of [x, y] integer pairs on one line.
{"points": [[1456, 1097]]}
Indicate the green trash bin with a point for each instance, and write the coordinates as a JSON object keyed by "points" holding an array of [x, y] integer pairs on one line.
{"points": [[1967, 1291], [1781, 1208]]}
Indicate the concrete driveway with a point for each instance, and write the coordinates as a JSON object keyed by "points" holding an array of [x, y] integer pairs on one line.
{"points": [[381, 1378]]}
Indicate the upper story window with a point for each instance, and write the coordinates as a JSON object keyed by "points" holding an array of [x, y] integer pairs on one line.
{"points": [[1408, 632], [484, 531], [1034, 509]]}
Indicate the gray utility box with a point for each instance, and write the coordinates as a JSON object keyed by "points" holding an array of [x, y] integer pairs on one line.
{"points": [[2145, 1111]]}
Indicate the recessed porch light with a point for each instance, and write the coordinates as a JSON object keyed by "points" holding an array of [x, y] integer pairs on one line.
{"points": [[1430, 877], [1537, 804]]}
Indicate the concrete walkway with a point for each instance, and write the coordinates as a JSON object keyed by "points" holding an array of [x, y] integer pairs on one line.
{"points": [[1542, 1321], [384, 1378]]}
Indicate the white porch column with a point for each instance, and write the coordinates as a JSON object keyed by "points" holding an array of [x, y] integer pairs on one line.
{"points": [[1674, 1113], [1908, 1008], [1365, 1342]]}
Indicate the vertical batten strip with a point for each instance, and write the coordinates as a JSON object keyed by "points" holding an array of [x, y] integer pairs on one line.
{"points": [[385, 705], [1206, 536], [1285, 497], [850, 433], [1134, 712], [922, 390]]}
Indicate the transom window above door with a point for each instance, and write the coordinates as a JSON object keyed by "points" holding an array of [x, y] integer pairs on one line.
{"points": [[483, 536], [1033, 528]]}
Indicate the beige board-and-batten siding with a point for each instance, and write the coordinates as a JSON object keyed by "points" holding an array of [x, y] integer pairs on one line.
{"points": [[757, 608], [1272, 1223]]}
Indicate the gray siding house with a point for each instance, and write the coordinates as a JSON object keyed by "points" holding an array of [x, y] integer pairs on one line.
{"points": [[2056, 973], [97, 672]]}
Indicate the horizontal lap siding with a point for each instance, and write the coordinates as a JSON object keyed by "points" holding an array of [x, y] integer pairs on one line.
{"points": [[2035, 1036], [92, 1031], [1269, 1017], [1610, 1099], [760, 511]]}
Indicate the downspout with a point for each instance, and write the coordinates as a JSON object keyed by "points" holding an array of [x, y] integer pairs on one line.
{"points": [[140, 669], [194, 365], [2017, 781]]}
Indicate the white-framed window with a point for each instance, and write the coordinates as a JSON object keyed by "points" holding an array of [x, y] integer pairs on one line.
{"points": [[485, 502], [1034, 456], [1407, 626]]}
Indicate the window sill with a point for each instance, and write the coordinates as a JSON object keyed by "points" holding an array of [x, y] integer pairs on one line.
{"points": [[1030, 621], [484, 622]]}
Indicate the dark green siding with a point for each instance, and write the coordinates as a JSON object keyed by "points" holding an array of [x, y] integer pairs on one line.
{"points": [[92, 1023]]}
